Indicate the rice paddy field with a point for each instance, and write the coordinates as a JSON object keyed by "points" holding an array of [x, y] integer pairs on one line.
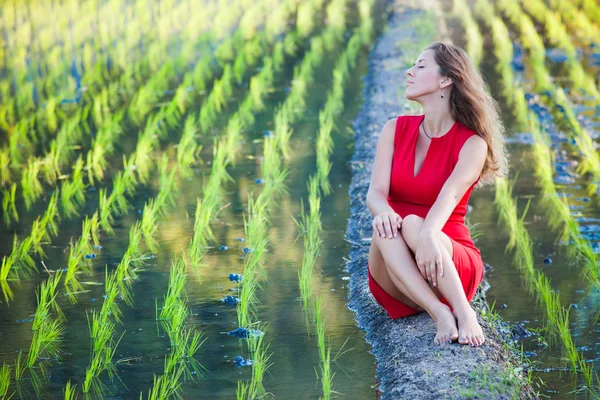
{"points": [[174, 179]]}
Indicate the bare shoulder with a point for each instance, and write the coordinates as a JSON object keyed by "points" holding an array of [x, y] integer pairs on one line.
{"points": [[474, 146], [389, 129]]}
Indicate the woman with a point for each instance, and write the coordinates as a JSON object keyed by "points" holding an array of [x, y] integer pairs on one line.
{"points": [[422, 257]]}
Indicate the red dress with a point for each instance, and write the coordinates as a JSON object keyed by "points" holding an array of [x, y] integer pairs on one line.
{"points": [[416, 195]]}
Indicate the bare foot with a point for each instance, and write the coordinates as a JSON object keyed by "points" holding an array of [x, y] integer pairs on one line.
{"points": [[469, 330], [446, 326]]}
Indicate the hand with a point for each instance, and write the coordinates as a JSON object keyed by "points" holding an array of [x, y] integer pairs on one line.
{"points": [[387, 224], [429, 258]]}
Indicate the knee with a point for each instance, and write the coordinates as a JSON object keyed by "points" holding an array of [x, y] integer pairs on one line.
{"points": [[411, 223]]}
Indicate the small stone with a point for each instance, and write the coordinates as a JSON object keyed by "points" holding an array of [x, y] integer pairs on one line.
{"points": [[547, 261]]}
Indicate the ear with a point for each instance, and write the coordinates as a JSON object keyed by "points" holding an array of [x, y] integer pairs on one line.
{"points": [[445, 82]]}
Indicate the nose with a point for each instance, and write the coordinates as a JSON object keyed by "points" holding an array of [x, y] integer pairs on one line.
{"points": [[409, 72]]}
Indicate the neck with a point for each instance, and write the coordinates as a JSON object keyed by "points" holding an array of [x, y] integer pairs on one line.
{"points": [[438, 119]]}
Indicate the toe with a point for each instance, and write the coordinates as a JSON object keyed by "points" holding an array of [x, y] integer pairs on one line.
{"points": [[463, 340]]}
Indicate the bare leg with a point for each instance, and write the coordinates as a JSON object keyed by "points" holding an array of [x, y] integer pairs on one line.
{"points": [[379, 271], [449, 285], [403, 268]]}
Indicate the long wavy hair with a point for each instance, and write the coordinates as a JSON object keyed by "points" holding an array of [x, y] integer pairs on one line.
{"points": [[472, 105]]}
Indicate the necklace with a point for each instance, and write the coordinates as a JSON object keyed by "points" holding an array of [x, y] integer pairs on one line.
{"points": [[425, 130]]}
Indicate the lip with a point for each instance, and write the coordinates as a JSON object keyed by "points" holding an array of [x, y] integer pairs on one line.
{"points": [[409, 82]]}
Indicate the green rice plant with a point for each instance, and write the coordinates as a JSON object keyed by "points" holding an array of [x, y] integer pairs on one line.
{"points": [[324, 149], [310, 227], [116, 203], [168, 188], [7, 263], [32, 187], [47, 330], [207, 207], [72, 285], [19, 366], [69, 392], [132, 262], [110, 308], [9, 209], [258, 352], [336, 15], [188, 149], [148, 224], [5, 161], [536, 281], [326, 375], [177, 282], [185, 341], [142, 158], [166, 386], [472, 34], [272, 171], [22, 262], [5, 381], [282, 131], [103, 348], [72, 191], [46, 302]]}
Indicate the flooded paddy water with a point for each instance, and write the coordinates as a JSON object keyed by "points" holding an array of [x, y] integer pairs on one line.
{"points": [[174, 140]]}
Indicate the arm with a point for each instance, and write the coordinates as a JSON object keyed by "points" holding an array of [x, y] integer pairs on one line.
{"points": [[470, 163], [379, 187], [466, 171], [386, 221]]}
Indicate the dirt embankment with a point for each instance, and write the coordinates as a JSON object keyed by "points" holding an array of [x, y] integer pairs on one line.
{"points": [[409, 364]]}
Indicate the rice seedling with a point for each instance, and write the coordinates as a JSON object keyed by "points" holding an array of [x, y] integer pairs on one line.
{"points": [[188, 149], [9, 209], [258, 351], [78, 256], [5, 174], [5, 381], [177, 281], [326, 375], [69, 392], [116, 203], [166, 386], [206, 207], [47, 329], [20, 258], [578, 248], [472, 34], [32, 187], [102, 327], [536, 281], [7, 263], [310, 227], [534, 44], [256, 232], [103, 348], [72, 191], [185, 340]]}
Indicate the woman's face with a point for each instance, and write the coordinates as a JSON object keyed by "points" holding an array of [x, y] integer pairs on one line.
{"points": [[423, 78]]}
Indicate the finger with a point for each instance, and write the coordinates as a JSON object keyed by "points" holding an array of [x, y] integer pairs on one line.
{"points": [[380, 227], [429, 273], [440, 267], [422, 270], [434, 273], [388, 228], [399, 222]]}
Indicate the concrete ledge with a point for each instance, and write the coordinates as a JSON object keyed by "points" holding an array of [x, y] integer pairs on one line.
{"points": [[409, 365]]}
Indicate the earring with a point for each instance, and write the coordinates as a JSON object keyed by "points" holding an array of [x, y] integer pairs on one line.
{"points": [[442, 96]]}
